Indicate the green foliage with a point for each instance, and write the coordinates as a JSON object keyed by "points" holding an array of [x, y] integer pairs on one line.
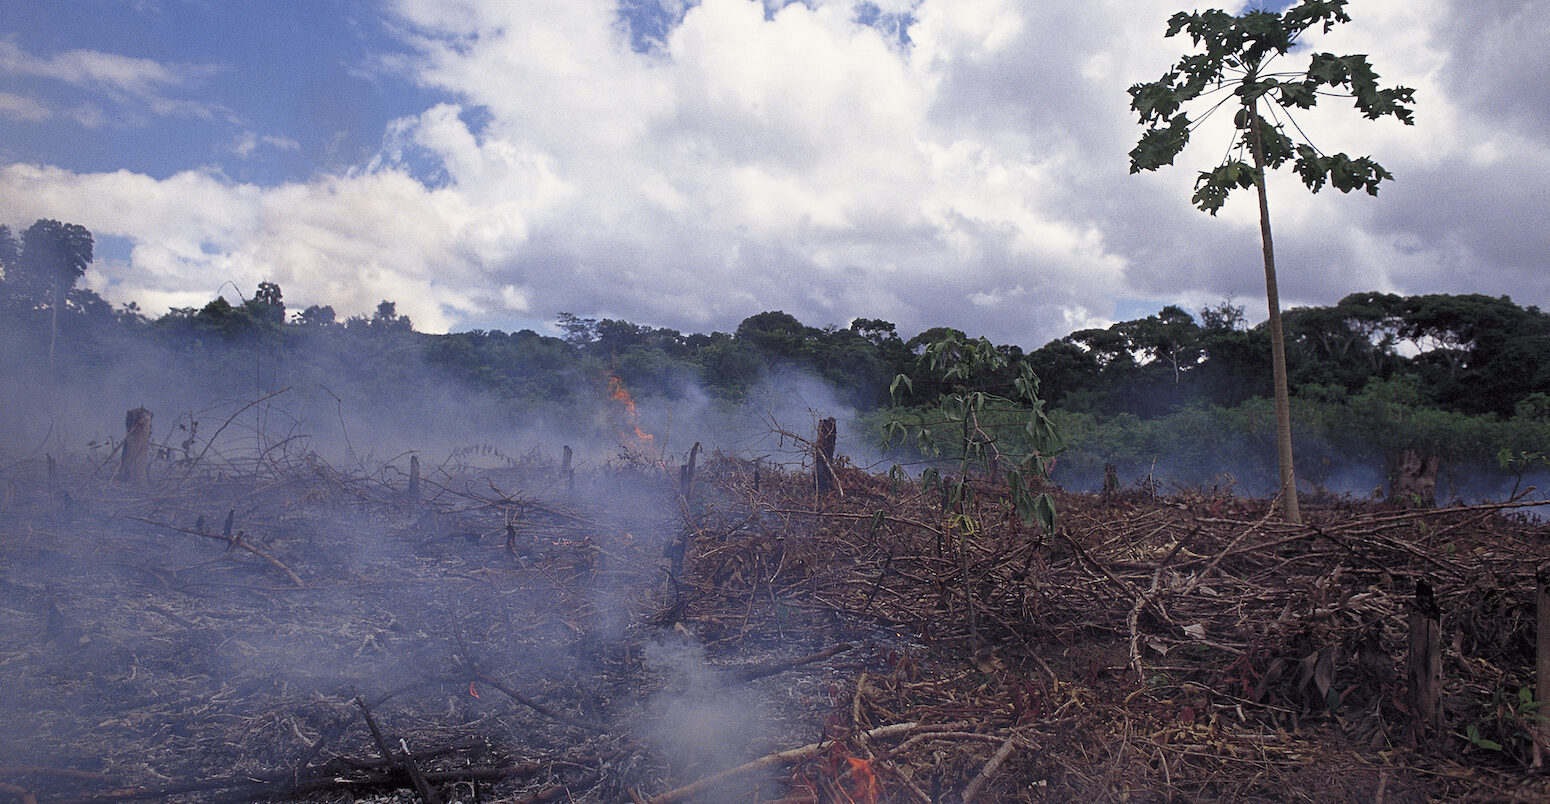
{"points": [[10, 253], [1466, 378], [53, 257], [1508, 724], [1235, 51], [970, 425], [317, 317], [1343, 440], [1519, 462]]}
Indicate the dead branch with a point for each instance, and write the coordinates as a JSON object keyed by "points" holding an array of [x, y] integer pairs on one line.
{"points": [[771, 668], [538, 707], [233, 541], [404, 759], [990, 769], [208, 444]]}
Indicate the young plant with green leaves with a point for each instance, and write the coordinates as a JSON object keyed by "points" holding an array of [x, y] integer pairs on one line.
{"points": [[1519, 463], [997, 432], [1236, 68], [1510, 726]]}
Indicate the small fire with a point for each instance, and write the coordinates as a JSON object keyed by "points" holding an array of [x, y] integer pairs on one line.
{"points": [[841, 779], [862, 787], [618, 393]]}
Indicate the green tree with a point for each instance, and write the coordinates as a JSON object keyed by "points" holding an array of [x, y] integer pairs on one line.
{"points": [[10, 252], [1063, 368], [268, 305], [1479, 354], [53, 257], [778, 334], [578, 331], [1172, 337], [317, 317], [1237, 53], [386, 319]]}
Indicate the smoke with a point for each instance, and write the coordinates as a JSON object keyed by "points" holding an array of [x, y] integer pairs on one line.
{"points": [[773, 423], [696, 719]]}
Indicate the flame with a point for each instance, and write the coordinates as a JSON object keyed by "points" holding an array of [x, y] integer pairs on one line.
{"points": [[841, 779], [472, 690], [864, 787], [618, 393]]}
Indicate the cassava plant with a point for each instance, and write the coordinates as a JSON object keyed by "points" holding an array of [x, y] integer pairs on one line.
{"points": [[995, 431], [1235, 69]]}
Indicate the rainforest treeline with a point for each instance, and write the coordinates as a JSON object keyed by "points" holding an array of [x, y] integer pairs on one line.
{"points": [[1464, 377]]}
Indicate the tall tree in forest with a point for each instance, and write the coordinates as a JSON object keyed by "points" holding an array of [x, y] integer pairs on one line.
{"points": [[10, 251], [1236, 58], [53, 256]]}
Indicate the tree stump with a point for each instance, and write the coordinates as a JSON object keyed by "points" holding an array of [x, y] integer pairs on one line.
{"points": [[1423, 667], [823, 455], [135, 458], [1110, 481], [1413, 479], [414, 478], [686, 474]]}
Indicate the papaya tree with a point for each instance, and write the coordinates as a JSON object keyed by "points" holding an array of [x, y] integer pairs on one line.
{"points": [[1235, 68]]}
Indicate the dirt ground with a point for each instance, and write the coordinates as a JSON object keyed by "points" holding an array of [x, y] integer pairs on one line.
{"points": [[505, 632]]}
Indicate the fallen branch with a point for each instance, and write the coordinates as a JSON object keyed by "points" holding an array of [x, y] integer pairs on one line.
{"points": [[233, 542], [40, 770], [990, 769], [405, 760], [552, 793], [788, 757], [538, 707], [771, 668]]}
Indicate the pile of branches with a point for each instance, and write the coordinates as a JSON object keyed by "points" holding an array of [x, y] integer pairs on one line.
{"points": [[1190, 647], [497, 633]]}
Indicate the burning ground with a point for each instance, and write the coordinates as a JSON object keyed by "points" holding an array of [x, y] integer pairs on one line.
{"points": [[298, 632]]}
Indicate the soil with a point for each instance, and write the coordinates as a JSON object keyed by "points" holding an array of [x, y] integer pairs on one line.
{"points": [[294, 631]]}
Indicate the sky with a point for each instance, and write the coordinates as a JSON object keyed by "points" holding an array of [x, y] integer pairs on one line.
{"points": [[489, 164]]}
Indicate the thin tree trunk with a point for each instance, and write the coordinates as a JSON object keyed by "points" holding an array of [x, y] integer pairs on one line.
{"points": [[53, 332], [1289, 506]]}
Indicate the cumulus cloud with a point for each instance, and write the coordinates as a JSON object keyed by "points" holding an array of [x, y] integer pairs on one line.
{"points": [[743, 156]]}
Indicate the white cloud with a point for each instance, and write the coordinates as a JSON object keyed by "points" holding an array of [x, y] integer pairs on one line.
{"points": [[20, 107], [134, 85], [94, 68], [349, 241], [801, 160], [248, 142]]}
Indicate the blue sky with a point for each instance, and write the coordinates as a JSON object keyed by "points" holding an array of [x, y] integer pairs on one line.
{"points": [[271, 91], [491, 163]]}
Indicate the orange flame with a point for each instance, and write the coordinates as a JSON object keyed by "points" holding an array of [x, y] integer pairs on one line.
{"points": [[618, 393], [864, 787], [839, 779]]}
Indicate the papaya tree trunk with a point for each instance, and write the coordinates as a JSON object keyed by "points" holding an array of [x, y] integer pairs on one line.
{"points": [[1289, 508]]}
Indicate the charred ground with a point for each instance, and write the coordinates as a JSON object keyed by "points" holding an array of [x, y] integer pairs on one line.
{"points": [[516, 637]]}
